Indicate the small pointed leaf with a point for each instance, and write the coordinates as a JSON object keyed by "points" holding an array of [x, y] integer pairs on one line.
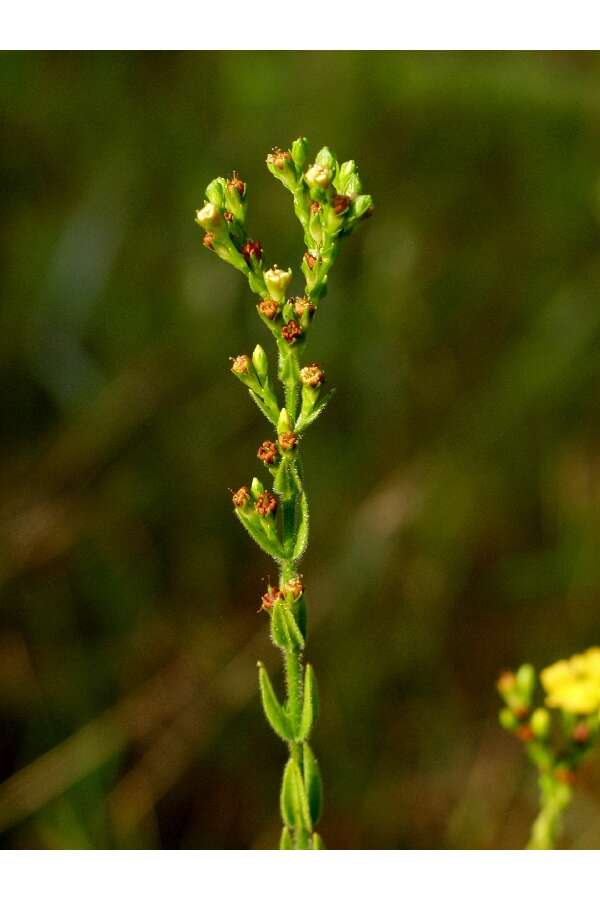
{"points": [[286, 842], [276, 715], [317, 842], [310, 706], [313, 784]]}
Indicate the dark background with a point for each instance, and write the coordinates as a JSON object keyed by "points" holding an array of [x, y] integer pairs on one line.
{"points": [[454, 481]]}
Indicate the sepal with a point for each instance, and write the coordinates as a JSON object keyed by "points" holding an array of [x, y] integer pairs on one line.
{"points": [[293, 801], [284, 629]]}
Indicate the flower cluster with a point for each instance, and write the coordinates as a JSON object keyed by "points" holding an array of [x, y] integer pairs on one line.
{"points": [[558, 735], [329, 203]]}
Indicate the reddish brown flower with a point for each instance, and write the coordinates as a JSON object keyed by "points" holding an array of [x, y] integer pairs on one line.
{"points": [[266, 504], [581, 733], [340, 204], [267, 452], [228, 216], [251, 249], [315, 207], [312, 375], [241, 497], [236, 184], [288, 440], [310, 259], [208, 240], [269, 308], [278, 158], [270, 598], [525, 733], [291, 332], [564, 775], [302, 305]]}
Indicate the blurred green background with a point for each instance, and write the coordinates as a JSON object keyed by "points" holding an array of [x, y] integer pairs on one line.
{"points": [[455, 480]]}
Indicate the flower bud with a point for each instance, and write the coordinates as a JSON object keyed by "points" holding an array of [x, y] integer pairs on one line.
{"points": [[526, 680], [362, 205], [256, 488], [291, 332], [300, 152], [288, 440], [508, 719], [269, 308], [209, 240], [268, 453], [241, 497], [283, 424], [347, 170], [266, 504], [276, 281], [215, 192], [260, 362], [326, 159], [540, 723], [525, 733], [312, 375], [209, 216], [318, 177]]}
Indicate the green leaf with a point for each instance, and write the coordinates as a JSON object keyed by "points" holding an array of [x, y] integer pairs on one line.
{"points": [[313, 784], [276, 715], [283, 484], [307, 419], [284, 628], [269, 413], [302, 536], [301, 614], [317, 842], [310, 705], [286, 842], [254, 527], [293, 801]]}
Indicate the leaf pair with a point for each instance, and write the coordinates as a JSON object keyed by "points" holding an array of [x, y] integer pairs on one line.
{"points": [[301, 796], [276, 714]]}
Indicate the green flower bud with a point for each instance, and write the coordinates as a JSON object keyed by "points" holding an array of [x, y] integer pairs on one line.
{"points": [[215, 192], [276, 281], [526, 680], [300, 153], [347, 169], [256, 488], [281, 165], [353, 185], [260, 362], [326, 159], [361, 205], [284, 425], [508, 719], [540, 723]]}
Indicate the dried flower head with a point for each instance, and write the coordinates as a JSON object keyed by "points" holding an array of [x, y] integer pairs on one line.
{"points": [[340, 203], [209, 240], [268, 453], [269, 308], [235, 183], [288, 440], [302, 305], [278, 158], [313, 376], [266, 504], [241, 365], [270, 597], [251, 249], [294, 587], [291, 332], [241, 497], [315, 208]]}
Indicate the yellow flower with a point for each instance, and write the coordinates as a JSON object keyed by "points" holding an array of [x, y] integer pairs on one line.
{"points": [[573, 685]]}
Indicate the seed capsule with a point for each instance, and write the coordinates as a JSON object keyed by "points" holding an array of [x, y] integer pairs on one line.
{"points": [[266, 504], [268, 453]]}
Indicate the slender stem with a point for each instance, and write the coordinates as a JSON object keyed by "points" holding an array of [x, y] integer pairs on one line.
{"points": [[555, 797]]}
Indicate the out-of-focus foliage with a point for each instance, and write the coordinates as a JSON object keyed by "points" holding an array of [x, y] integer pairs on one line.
{"points": [[455, 482]]}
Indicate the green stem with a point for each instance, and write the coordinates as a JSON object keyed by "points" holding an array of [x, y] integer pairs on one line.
{"points": [[555, 797]]}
